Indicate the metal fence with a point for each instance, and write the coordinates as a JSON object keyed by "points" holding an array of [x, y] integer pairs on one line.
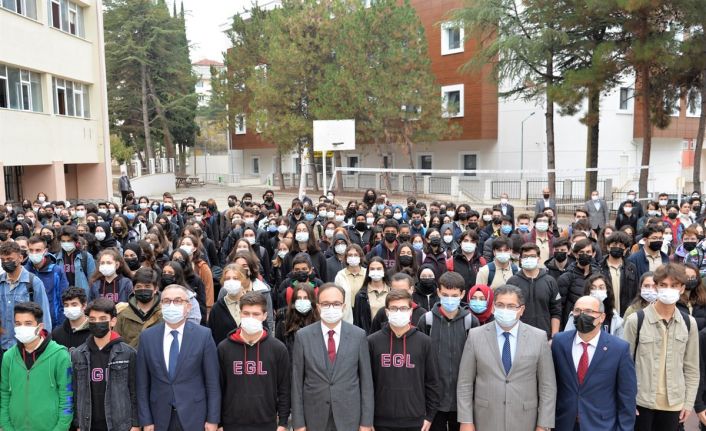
{"points": [[440, 185], [513, 189]]}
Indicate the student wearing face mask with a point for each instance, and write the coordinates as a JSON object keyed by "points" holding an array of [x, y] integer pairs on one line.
{"points": [[178, 383], [466, 260], [543, 302], [336, 261], [572, 283], [78, 264], [693, 300], [650, 256], [73, 332], [480, 301], [299, 313], [646, 295], [621, 272], [434, 253], [667, 366], [104, 374], [598, 286], [425, 291], [498, 271], [559, 262], [371, 296], [143, 307], [673, 220], [42, 265], [504, 231], [351, 278], [405, 371], [28, 401], [112, 280], [302, 273], [596, 381]]}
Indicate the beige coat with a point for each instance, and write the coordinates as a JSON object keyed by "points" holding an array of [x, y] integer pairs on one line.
{"points": [[520, 401], [682, 358]]}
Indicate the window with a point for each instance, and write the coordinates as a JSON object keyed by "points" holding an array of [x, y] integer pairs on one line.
{"points": [[626, 98], [66, 16], [20, 89], [425, 162], [256, 166], [27, 8], [71, 98], [240, 124], [693, 107], [469, 162], [452, 101], [199, 83], [676, 108], [353, 162], [451, 38], [387, 161]]}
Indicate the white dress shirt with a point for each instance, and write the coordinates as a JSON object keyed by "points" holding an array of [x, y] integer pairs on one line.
{"points": [[168, 340], [577, 349], [336, 335], [513, 339]]}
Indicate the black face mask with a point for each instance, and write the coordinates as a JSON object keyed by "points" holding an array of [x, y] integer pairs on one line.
{"points": [[688, 246], [167, 280], [118, 229], [3, 236], [99, 329], [231, 204], [47, 238], [584, 323], [406, 260], [403, 237], [390, 237], [133, 264], [435, 241], [360, 226], [496, 220], [696, 209], [144, 295], [297, 211], [91, 225], [672, 216], [473, 225], [656, 245], [584, 259], [546, 196], [300, 276], [9, 266], [700, 237], [64, 218], [427, 285], [435, 226], [692, 283], [616, 252], [417, 223], [463, 216], [560, 256]]}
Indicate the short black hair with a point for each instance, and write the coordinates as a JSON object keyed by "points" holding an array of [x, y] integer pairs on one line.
{"points": [[452, 280], [31, 308], [69, 231], [501, 242], [391, 223], [619, 237], [103, 305], [646, 232], [74, 292], [302, 258], [145, 276], [562, 242]]}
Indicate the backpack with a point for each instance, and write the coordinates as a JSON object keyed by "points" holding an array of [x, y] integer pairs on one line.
{"points": [[84, 263], [641, 318], [491, 271], [467, 321], [30, 287]]}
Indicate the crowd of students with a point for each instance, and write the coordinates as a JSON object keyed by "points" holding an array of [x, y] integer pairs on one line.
{"points": [[166, 315]]}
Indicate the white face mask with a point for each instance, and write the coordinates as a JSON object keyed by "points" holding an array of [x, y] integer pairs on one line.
{"points": [[81, 214], [330, 214], [188, 249], [376, 274], [529, 263], [301, 236], [663, 202], [468, 247], [232, 287], [451, 213], [503, 257], [250, 239], [329, 233], [399, 319], [26, 334], [448, 239], [503, 201], [73, 313], [331, 315], [303, 306], [397, 216], [282, 229], [282, 254], [100, 236], [667, 295], [649, 295], [353, 260], [599, 294], [369, 220], [107, 269], [542, 226], [340, 248], [173, 314], [667, 238], [251, 325], [487, 217], [339, 218]]}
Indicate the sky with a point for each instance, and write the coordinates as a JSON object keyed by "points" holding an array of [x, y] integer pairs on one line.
{"points": [[205, 22]]}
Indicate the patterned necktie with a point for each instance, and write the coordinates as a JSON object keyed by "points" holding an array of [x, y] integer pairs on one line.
{"points": [[173, 354], [507, 357], [583, 363]]}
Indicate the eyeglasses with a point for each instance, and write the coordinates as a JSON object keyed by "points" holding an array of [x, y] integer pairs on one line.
{"points": [[402, 309], [512, 307], [588, 311], [175, 301], [327, 305]]}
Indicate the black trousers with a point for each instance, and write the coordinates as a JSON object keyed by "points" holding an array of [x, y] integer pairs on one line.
{"points": [[444, 421], [174, 423], [656, 420], [377, 428]]}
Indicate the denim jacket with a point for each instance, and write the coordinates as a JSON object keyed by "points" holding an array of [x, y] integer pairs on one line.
{"points": [[120, 392]]}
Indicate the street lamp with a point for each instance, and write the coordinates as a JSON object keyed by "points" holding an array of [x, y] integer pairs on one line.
{"points": [[522, 144]]}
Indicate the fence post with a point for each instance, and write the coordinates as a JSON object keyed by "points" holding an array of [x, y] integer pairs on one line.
{"points": [[425, 184], [568, 189], [454, 185], [523, 190], [608, 187], [488, 191]]}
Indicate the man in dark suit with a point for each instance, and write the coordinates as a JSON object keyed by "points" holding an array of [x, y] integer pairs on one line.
{"points": [[178, 383], [546, 201], [332, 383], [595, 375], [506, 208]]}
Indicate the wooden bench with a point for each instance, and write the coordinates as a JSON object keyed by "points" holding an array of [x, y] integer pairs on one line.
{"points": [[182, 181], [194, 181]]}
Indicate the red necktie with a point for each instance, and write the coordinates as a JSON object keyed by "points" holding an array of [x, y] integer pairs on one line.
{"points": [[331, 346], [583, 363]]}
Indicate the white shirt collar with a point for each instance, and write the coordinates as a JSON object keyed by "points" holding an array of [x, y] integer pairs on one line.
{"points": [[593, 341], [512, 331], [168, 330], [337, 329]]}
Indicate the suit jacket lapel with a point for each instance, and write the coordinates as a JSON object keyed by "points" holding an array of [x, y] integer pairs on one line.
{"points": [[160, 350], [186, 341], [600, 353], [492, 337], [343, 344], [566, 349], [519, 346]]}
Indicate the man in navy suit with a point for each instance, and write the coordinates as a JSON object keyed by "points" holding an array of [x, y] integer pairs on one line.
{"points": [[178, 383], [595, 375]]}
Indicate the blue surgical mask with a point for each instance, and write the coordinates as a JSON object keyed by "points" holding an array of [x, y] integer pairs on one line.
{"points": [[479, 305], [418, 245], [309, 216], [506, 229], [505, 318], [449, 303], [271, 228], [524, 228], [130, 216], [381, 207]]}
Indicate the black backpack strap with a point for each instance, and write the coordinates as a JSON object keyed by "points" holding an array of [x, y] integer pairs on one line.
{"points": [[84, 263], [640, 319], [491, 273], [30, 287], [687, 321]]}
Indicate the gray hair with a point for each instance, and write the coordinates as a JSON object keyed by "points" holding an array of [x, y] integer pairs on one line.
{"points": [[509, 289], [178, 287], [601, 305]]}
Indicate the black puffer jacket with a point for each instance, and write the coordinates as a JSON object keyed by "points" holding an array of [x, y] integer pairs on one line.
{"points": [[571, 287], [542, 300]]}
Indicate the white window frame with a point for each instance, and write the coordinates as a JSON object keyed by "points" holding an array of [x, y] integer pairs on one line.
{"points": [[5, 82], [445, 27], [23, 8], [348, 164], [444, 100], [630, 98], [79, 94], [461, 166], [240, 130], [696, 105], [419, 161], [252, 165], [74, 16], [25, 84]]}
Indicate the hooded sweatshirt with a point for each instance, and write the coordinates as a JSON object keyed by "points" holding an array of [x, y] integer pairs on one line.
{"points": [[542, 299], [99, 363], [407, 388], [55, 283], [70, 337], [255, 381]]}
